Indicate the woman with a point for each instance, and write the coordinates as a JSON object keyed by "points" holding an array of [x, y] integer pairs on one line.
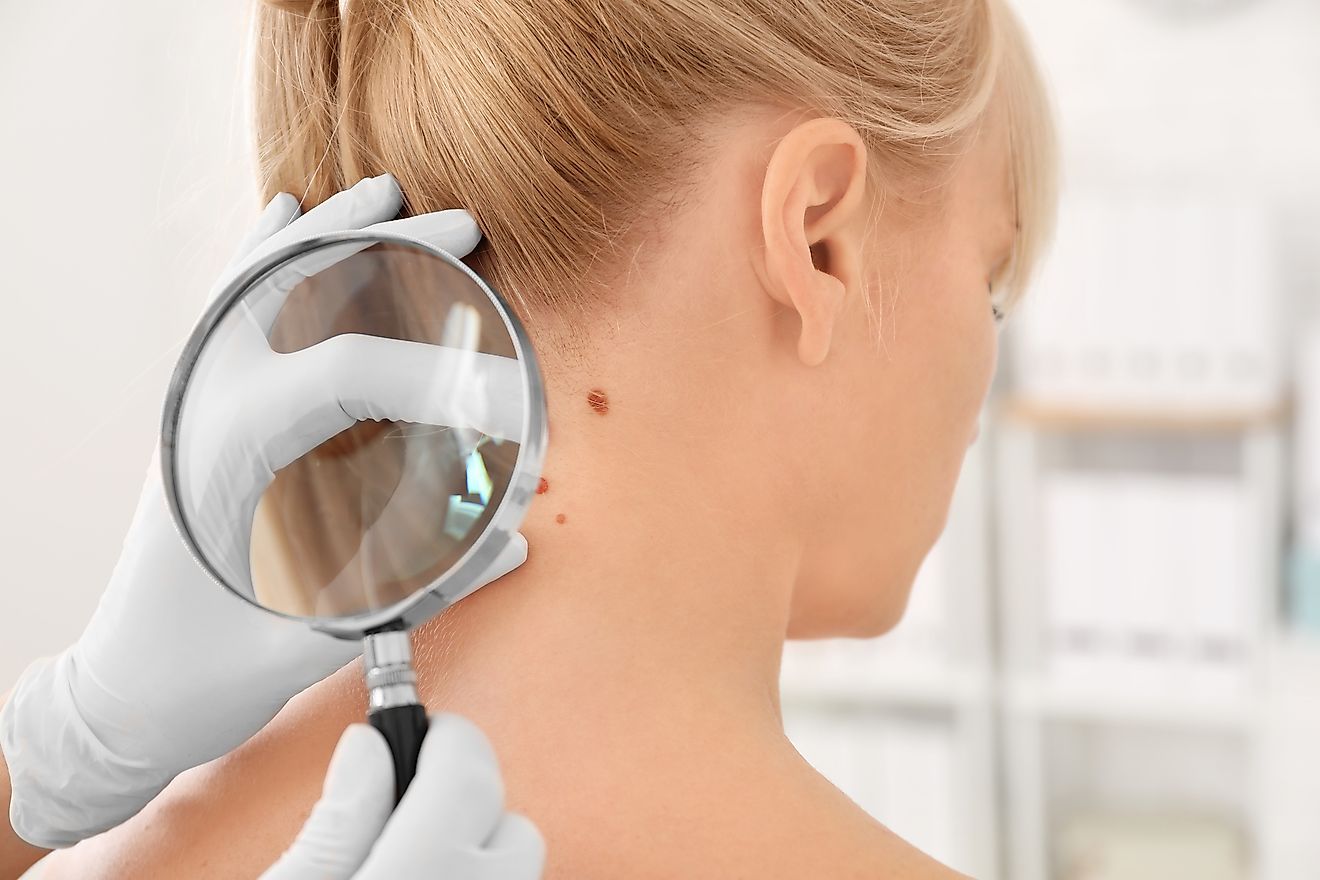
{"points": [[761, 246]]}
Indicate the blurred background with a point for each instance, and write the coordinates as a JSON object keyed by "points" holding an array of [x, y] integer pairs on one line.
{"points": [[1110, 668]]}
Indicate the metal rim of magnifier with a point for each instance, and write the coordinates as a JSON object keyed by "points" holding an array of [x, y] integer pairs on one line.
{"points": [[431, 599]]}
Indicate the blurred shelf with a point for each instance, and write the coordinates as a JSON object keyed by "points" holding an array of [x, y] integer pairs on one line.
{"points": [[1054, 700], [947, 689], [1054, 416]]}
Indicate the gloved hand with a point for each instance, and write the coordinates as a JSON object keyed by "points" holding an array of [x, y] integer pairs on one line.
{"points": [[450, 824], [259, 410], [173, 670]]}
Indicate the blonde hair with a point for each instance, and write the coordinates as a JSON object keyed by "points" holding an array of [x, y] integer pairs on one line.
{"points": [[569, 128], [563, 126]]}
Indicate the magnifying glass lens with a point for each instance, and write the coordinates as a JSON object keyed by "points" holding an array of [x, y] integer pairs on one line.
{"points": [[351, 425]]}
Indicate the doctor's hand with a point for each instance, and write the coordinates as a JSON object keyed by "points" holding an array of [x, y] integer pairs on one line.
{"points": [[252, 411], [450, 824], [172, 670]]}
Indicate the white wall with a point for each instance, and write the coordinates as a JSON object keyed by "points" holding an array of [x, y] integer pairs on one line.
{"points": [[126, 186], [1229, 96]]}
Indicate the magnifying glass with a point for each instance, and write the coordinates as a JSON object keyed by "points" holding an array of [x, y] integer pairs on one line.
{"points": [[351, 437]]}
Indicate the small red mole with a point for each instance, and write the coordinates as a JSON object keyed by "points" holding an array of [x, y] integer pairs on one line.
{"points": [[559, 517], [598, 401], [542, 486]]}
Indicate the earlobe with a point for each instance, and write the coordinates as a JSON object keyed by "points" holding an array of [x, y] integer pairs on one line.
{"points": [[818, 328], [812, 199]]}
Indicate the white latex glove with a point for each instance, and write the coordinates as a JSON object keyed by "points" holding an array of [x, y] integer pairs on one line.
{"points": [[173, 670], [258, 410], [450, 824]]}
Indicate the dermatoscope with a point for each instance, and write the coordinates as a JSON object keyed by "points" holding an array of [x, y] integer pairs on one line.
{"points": [[359, 501]]}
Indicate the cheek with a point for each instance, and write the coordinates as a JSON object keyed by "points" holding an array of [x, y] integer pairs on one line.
{"points": [[959, 349], [952, 356], [987, 377], [921, 390], [978, 342], [942, 348]]}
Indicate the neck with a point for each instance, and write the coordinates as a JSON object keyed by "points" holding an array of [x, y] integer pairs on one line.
{"points": [[660, 600]]}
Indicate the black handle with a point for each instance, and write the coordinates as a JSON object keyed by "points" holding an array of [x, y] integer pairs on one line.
{"points": [[404, 728]]}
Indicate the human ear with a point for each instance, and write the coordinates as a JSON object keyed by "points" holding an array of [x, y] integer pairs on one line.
{"points": [[811, 211]]}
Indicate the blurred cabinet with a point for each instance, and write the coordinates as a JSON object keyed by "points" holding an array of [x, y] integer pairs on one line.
{"points": [[1139, 570]]}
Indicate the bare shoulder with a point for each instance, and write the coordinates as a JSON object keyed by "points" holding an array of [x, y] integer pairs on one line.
{"points": [[743, 815], [838, 839], [234, 816], [695, 812]]}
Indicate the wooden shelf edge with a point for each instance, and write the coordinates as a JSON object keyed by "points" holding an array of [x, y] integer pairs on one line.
{"points": [[1056, 416]]}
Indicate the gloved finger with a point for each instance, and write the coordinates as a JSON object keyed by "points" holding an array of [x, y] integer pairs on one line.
{"points": [[519, 846], [457, 387], [355, 805], [370, 200], [515, 851], [453, 230], [352, 377], [456, 800], [512, 555], [279, 212]]}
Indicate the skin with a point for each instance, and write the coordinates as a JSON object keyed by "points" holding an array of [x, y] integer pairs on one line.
{"points": [[784, 478], [16, 854]]}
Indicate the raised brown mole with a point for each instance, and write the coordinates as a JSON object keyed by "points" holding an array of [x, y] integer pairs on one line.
{"points": [[598, 401], [559, 517]]}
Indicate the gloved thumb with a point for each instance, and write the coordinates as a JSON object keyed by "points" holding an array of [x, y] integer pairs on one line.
{"points": [[355, 803], [449, 386]]}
